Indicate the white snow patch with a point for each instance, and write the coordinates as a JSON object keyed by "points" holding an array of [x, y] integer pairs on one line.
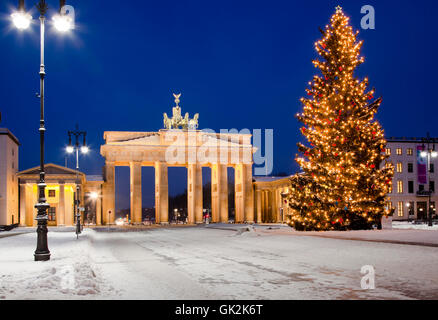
{"points": [[410, 225]]}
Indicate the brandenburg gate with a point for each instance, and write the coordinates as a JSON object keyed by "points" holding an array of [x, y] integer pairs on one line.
{"points": [[180, 144]]}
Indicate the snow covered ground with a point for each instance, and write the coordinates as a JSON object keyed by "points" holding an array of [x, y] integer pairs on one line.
{"points": [[410, 225], [208, 263]]}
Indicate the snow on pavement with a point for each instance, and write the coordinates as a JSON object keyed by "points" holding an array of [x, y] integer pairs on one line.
{"points": [[203, 263]]}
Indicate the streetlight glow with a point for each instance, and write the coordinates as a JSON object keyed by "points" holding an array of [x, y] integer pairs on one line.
{"points": [[70, 149], [62, 23], [21, 19], [434, 154], [94, 195], [84, 149], [423, 154]]}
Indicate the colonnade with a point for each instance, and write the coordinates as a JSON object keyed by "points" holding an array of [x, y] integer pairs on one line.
{"points": [[244, 198]]}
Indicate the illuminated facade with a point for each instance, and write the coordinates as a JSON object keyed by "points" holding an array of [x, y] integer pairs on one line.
{"points": [[60, 195], [8, 178], [411, 183], [270, 201]]}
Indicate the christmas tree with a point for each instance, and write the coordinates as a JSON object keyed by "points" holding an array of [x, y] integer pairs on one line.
{"points": [[343, 185]]}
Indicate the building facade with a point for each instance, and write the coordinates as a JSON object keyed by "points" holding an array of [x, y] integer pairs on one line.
{"points": [[8, 178], [60, 194], [270, 201], [414, 178]]}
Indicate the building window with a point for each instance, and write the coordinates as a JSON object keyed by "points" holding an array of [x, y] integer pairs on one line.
{"points": [[421, 187], [431, 168], [52, 193], [388, 151], [409, 152], [410, 167], [389, 205], [411, 186], [399, 186], [432, 186], [400, 209], [390, 188], [399, 167], [399, 151], [52, 214], [432, 207]]}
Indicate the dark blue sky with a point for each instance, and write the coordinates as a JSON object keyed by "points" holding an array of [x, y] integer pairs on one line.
{"points": [[240, 64]]}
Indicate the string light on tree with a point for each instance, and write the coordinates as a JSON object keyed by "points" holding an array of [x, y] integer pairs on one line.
{"points": [[342, 185]]}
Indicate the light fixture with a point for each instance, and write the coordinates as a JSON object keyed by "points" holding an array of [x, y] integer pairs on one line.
{"points": [[69, 149], [434, 154], [84, 149], [62, 22], [21, 20], [423, 154], [94, 195]]}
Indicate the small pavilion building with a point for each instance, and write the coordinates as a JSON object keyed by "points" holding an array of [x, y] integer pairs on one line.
{"points": [[60, 194]]}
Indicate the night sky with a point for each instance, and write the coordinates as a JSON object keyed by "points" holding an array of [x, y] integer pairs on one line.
{"points": [[240, 64]]}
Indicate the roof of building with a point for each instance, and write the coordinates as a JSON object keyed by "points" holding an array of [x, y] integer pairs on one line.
{"points": [[49, 168], [409, 139], [4, 131]]}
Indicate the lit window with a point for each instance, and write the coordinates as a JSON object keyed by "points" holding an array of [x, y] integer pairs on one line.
{"points": [[52, 193], [390, 188], [409, 151], [389, 205], [399, 167], [399, 186], [388, 165], [398, 151], [388, 151], [400, 209], [52, 213]]}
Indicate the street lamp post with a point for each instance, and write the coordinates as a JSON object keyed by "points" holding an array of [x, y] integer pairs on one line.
{"points": [[430, 153], [70, 149], [22, 20]]}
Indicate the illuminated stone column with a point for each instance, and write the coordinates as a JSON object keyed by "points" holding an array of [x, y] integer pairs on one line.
{"points": [[161, 193], [194, 193], [108, 194], [135, 184], [239, 190], [219, 193], [191, 194], [259, 205], [99, 210], [271, 206], [248, 193], [223, 193], [61, 205], [198, 195], [22, 205]]}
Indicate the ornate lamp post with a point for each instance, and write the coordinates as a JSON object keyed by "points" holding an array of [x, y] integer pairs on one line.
{"points": [[429, 153], [70, 149], [22, 20]]}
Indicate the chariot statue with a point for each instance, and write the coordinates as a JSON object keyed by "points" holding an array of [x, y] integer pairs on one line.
{"points": [[177, 121]]}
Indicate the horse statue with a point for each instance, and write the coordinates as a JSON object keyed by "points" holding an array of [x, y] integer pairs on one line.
{"points": [[193, 123], [177, 120]]}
